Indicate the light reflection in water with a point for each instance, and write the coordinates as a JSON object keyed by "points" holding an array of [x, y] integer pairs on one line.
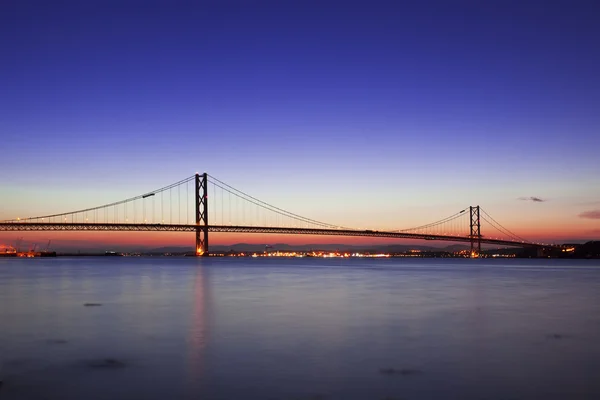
{"points": [[198, 332]]}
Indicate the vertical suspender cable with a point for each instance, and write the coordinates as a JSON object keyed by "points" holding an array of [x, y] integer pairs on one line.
{"points": [[187, 204]]}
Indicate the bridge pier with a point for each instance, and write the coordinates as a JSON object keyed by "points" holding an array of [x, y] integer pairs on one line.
{"points": [[202, 215]]}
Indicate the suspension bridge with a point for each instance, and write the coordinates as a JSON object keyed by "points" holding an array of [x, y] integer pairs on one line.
{"points": [[204, 204]]}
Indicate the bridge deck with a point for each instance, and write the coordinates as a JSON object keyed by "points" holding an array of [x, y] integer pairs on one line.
{"points": [[58, 226]]}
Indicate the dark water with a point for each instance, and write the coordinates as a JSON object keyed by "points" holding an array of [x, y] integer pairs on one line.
{"points": [[186, 328]]}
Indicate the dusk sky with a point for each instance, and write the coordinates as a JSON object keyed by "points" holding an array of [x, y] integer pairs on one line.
{"points": [[368, 114]]}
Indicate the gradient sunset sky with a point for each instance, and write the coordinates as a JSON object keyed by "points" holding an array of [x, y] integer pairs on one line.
{"points": [[370, 114]]}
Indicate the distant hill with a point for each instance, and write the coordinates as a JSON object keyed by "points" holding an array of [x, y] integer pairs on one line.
{"points": [[589, 250], [457, 247], [259, 248]]}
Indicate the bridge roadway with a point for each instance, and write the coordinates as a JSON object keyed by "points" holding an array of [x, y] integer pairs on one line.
{"points": [[61, 226]]}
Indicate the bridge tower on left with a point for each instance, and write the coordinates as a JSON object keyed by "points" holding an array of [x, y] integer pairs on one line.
{"points": [[201, 195], [475, 232]]}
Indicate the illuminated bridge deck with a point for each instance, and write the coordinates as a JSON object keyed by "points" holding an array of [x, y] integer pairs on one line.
{"points": [[58, 226]]}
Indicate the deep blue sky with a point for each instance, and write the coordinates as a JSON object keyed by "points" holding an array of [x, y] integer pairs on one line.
{"points": [[410, 111]]}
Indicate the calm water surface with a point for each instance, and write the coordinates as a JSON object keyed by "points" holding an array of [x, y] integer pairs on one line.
{"points": [[186, 328]]}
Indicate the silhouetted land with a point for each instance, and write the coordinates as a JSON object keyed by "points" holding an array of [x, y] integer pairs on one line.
{"points": [[589, 250]]}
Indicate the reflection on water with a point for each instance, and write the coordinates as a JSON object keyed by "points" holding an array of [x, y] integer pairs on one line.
{"points": [[150, 328], [198, 332]]}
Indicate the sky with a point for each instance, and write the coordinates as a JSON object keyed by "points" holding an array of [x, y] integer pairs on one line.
{"points": [[368, 114]]}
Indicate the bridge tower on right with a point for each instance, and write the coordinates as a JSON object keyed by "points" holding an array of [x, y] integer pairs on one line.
{"points": [[475, 231]]}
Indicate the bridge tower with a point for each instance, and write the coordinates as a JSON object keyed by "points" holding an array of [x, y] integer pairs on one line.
{"points": [[475, 233], [202, 215]]}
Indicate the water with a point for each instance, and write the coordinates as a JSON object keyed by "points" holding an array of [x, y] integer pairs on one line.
{"points": [[186, 328]]}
